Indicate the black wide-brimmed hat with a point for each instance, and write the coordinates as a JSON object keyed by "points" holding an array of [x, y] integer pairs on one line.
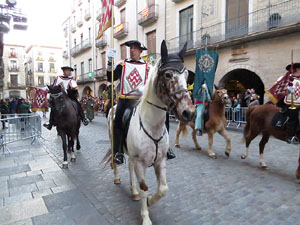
{"points": [[67, 68], [137, 43], [295, 66]]}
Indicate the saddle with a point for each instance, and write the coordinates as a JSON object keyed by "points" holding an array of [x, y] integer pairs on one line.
{"points": [[280, 120], [75, 105], [129, 111]]}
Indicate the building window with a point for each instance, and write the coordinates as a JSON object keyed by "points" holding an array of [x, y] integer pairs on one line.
{"points": [[81, 37], [90, 65], [40, 67], [186, 26], [13, 64], [82, 67], [89, 33], [40, 81], [123, 52], [123, 15], [52, 67], [75, 70], [14, 80], [151, 42], [103, 57], [236, 17]]}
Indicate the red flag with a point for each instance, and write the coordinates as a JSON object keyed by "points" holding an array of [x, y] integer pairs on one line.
{"points": [[279, 90], [40, 100], [106, 19]]}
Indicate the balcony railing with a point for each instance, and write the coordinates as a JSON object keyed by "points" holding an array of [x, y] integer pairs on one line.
{"points": [[119, 3], [78, 49], [13, 69], [40, 70], [65, 54], [15, 86], [148, 15], [79, 22], [121, 31], [51, 59], [100, 74], [177, 1], [85, 78], [102, 42], [263, 23], [73, 28], [13, 55], [87, 15]]}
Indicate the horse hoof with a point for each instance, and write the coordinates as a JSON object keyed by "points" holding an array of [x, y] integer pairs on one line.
{"points": [[136, 197], [243, 156], [73, 160], [264, 167], [212, 156], [117, 181], [177, 145], [227, 154], [78, 147], [198, 148]]}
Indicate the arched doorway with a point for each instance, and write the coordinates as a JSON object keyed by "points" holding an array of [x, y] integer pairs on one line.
{"points": [[87, 91], [102, 87], [239, 80]]}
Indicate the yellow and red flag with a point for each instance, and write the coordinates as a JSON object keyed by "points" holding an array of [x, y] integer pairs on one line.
{"points": [[106, 17], [145, 12]]}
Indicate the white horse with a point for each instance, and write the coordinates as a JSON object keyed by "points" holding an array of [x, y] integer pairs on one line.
{"points": [[147, 139]]}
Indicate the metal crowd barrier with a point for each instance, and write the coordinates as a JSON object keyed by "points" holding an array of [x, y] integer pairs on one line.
{"points": [[236, 115], [16, 127]]}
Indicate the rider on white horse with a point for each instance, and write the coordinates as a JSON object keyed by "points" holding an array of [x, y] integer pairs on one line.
{"points": [[67, 82], [133, 74]]}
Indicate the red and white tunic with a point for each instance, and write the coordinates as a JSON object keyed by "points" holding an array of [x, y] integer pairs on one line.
{"points": [[65, 82], [288, 98], [134, 76]]}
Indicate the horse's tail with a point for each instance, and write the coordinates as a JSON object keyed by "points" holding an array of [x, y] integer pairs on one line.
{"points": [[107, 158], [182, 128], [247, 127]]}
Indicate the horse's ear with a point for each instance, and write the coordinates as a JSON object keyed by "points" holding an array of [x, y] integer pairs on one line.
{"points": [[182, 51], [216, 87], [164, 51]]}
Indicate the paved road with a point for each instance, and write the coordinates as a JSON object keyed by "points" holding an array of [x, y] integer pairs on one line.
{"points": [[201, 190]]}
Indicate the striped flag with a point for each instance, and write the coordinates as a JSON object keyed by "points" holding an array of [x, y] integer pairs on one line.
{"points": [[145, 12], [105, 22]]}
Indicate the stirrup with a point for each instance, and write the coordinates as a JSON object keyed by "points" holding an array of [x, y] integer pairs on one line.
{"points": [[85, 122], [48, 126], [170, 154], [294, 140], [119, 158]]}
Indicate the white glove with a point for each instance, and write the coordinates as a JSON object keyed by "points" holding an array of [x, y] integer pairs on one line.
{"points": [[204, 86], [111, 53], [291, 89], [141, 89]]}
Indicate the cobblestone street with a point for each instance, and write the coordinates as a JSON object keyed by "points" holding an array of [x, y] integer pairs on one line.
{"points": [[35, 190]]}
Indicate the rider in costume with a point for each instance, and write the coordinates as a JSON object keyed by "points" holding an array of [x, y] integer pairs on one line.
{"points": [[285, 103], [67, 82], [132, 73]]}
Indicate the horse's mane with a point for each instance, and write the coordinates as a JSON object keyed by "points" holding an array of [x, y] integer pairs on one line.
{"points": [[149, 84]]}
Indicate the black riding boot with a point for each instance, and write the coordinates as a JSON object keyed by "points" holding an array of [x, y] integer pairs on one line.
{"points": [[170, 153], [82, 115], [291, 127], [50, 124], [118, 155]]}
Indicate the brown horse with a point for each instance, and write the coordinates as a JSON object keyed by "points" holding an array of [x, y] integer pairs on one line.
{"points": [[259, 121], [216, 123]]}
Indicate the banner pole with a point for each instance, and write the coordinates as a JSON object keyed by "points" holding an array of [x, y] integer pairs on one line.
{"points": [[112, 84]]}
